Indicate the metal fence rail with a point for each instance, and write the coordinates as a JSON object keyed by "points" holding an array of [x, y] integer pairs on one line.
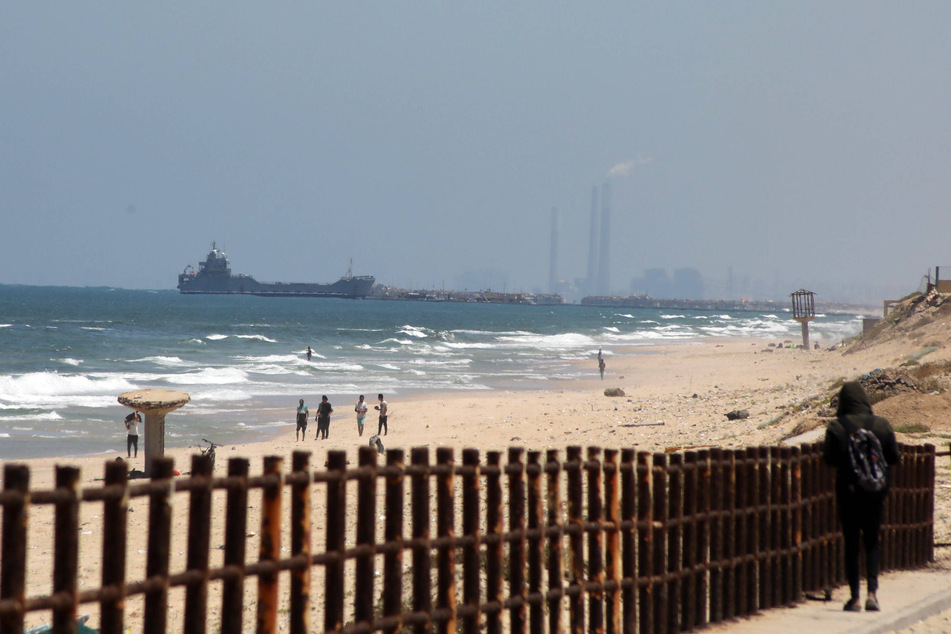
{"points": [[605, 540]]}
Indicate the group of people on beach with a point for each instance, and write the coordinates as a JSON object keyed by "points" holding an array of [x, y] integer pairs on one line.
{"points": [[325, 409]]}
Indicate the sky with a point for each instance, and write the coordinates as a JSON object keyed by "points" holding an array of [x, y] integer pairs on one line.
{"points": [[786, 144]]}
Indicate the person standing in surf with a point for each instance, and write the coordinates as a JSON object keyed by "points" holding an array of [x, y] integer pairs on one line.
{"points": [[324, 410], [361, 410]]}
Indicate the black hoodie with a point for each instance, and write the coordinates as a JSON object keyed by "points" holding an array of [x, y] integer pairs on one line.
{"points": [[855, 411]]}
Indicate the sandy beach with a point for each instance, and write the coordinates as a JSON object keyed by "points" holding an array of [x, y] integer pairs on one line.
{"points": [[675, 396]]}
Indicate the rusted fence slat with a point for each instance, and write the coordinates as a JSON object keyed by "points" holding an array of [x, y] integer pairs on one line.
{"points": [[445, 530], [675, 513], [16, 513], [795, 501], [422, 552], [555, 552], [199, 532], [595, 541], [336, 535], [536, 542], [688, 603], [66, 549], [114, 534], [366, 536], [628, 540], [471, 569], [704, 495], [645, 540], [717, 493], [301, 541], [393, 558], [516, 486], [575, 540], [494, 547], [728, 528], [270, 544], [661, 517], [612, 554], [236, 524], [156, 567]]}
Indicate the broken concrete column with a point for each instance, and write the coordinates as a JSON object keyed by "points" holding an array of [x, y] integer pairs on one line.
{"points": [[155, 404]]}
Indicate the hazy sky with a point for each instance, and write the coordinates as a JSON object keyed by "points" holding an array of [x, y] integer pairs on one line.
{"points": [[807, 144]]}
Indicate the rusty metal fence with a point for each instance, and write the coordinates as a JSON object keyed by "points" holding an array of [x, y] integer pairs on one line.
{"points": [[602, 540]]}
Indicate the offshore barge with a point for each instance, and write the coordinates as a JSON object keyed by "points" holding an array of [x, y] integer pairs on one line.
{"points": [[214, 277]]}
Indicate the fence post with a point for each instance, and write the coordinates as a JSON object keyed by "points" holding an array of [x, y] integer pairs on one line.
{"points": [[445, 531], [422, 554], [575, 540], [796, 529], [336, 544], [471, 586], [661, 517], [516, 483], [66, 549], [704, 493], [717, 486], [612, 540], [595, 541], [929, 468], [393, 559], [301, 542], [728, 528], [675, 515], [236, 524], [270, 545], [536, 543], [114, 533], [764, 520], [556, 532], [366, 537], [645, 541], [156, 567], [689, 585], [494, 544], [628, 539], [199, 530], [750, 540], [16, 485]]}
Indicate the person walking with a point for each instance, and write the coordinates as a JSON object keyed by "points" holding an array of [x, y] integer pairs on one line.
{"points": [[132, 429], [382, 407], [301, 433], [361, 409], [324, 410], [861, 484]]}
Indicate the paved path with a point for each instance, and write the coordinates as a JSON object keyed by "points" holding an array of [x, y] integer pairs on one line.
{"points": [[907, 599]]}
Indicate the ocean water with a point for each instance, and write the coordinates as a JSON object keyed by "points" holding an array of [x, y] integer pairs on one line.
{"points": [[67, 353]]}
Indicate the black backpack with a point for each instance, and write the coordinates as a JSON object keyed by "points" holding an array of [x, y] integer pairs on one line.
{"points": [[867, 460]]}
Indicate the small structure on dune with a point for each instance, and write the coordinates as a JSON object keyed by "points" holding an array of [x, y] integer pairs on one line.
{"points": [[804, 311]]}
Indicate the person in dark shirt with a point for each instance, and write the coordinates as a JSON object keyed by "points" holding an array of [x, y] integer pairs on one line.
{"points": [[860, 511], [324, 410]]}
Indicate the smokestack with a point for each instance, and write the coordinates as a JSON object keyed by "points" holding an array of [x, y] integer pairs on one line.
{"points": [[593, 243], [553, 263], [604, 258]]}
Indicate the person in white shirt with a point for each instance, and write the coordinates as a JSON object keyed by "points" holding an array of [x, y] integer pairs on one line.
{"points": [[361, 410], [132, 440]]}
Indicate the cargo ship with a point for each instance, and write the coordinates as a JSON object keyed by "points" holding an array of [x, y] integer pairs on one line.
{"points": [[214, 277]]}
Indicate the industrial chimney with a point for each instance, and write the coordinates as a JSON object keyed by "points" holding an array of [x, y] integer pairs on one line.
{"points": [[593, 244], [553, 263], [604, 256]]}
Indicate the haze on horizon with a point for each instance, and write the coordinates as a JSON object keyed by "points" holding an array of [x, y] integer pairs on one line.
{"points": [[797, 144]]}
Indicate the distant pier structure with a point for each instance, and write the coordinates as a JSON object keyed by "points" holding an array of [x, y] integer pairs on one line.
{"points": [[804, 311]]}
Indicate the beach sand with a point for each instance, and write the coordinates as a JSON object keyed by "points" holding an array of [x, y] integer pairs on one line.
{"points": [[675, 396]]}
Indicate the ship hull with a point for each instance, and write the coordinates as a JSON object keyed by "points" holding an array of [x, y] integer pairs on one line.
{"points": [[348, 288]]}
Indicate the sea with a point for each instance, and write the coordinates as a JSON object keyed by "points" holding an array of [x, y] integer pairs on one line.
{"points": [[67, 353]]}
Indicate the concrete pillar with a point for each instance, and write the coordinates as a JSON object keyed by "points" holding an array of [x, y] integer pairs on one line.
{"points": [[155, 404]]}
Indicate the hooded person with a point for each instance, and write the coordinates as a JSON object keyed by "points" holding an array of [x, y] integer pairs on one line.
{"points": [[860, 511]]}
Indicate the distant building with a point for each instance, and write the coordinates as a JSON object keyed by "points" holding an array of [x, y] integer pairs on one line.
{"points": [[685, 284]]}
